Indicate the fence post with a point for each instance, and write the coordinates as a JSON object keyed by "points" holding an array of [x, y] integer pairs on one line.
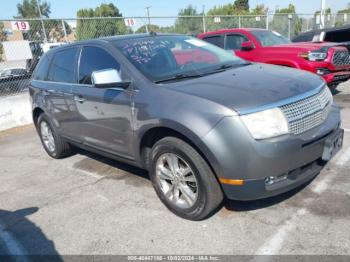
{"points": [[239, 21], [289, 27], [204, 23], [64, 31], [267, 20]]}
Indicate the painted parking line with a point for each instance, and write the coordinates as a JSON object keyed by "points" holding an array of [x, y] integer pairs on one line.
{"points": [[322, 185], [94, 175], [12, 245], [340, 160], [275, 243], [344, 157]]}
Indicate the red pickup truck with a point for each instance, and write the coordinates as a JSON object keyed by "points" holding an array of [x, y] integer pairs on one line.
{"points": [[329, 60]]}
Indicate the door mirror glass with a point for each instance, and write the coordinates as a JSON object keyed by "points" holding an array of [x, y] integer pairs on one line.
{"points": [[247, 46], [108, 78]]}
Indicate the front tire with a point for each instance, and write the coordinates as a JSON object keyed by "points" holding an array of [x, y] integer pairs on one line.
{"points": [[183, 180], [53, 144]]}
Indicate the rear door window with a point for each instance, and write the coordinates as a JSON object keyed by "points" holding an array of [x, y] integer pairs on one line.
{"points": [[62, 68], [217, 40], [95, 59]]}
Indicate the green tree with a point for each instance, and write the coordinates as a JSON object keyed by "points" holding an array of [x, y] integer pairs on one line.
{"points": [[341, 18], [225, 22], [283, 17], [3, 37], [328, 20], [29, 9], [189, 25], [153, 28], [241, 6], [228, 9], [53, 28], [235, 15], [88, 28], [257, 18]]}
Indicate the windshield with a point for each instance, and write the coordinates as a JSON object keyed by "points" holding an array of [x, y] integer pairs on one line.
{"points": [[163, 58], [269, 38]]}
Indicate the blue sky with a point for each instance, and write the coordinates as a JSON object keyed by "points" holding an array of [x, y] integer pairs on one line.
{"points": [[68, 8]]}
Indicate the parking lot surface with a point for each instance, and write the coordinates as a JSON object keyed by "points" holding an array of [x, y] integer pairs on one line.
{"points": [[88, 204]]}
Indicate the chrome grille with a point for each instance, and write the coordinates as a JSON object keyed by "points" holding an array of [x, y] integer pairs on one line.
{"points": [[341, 58], [309, 112]]}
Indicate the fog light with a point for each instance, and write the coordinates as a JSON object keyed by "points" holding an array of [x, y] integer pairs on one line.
{"points": [[269, 180], [323, 71], [274, 179]]}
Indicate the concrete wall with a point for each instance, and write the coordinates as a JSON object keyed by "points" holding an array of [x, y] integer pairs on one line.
{"points": [[15, 111]]}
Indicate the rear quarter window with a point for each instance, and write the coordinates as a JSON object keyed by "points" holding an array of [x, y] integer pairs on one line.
{"points": [[42, 69], [217, 40], [307, 37]]}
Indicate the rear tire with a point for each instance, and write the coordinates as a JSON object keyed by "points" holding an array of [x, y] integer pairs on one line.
{"points": [[53, 144], [183, 180]]}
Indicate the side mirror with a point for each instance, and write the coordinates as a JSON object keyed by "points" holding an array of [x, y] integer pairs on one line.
{"points": [[247, 46], [108, 78]]}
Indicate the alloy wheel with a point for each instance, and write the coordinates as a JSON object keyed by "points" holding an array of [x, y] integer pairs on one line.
{"points": [[177, 180], [47, 136]]}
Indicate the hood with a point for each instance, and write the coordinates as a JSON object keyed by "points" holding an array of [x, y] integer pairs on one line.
{"points": [[249, 88], [306, 46]]}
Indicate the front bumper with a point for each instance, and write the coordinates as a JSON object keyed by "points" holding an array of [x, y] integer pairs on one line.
{"points": [[336, 78], [257, 188], [239, 157]]}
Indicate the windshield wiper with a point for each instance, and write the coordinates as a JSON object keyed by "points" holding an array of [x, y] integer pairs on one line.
{"points": [[224, 67], [178, 77]]}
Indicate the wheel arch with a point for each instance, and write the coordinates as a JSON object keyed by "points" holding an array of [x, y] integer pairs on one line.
{"points": [[37, 111], [150, 136]]}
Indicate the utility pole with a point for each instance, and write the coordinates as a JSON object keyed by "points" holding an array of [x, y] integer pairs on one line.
{"points": [[323, 14], [149, 19], [42, 22], [64, 30]]}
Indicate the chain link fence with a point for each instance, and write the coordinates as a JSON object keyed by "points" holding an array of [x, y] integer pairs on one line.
{"points": [[24, 41]]}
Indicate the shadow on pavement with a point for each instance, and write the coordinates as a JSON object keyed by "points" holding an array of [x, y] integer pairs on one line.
{"points": [[18, 233], [230, 205], [114, 164], [241, 206]]}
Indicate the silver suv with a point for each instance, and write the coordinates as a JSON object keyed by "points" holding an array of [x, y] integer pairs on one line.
{"points": [[205, 123]]}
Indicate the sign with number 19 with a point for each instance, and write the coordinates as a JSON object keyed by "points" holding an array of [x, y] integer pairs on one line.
{"points": [[20, 25]]}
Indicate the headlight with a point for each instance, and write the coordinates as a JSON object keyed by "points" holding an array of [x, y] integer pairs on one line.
{"points": [[314, 56], [317, 56], [266, 124]]}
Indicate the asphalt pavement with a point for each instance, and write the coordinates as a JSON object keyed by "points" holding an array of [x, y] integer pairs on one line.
{"points": [[87, 204]]}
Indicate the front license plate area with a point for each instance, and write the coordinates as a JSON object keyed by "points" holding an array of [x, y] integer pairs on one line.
{"points": [[333, 145]]}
